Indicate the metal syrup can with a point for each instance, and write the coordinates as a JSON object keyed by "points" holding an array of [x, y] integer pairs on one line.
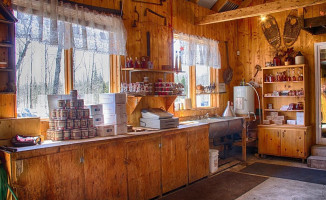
{"points": [[67, 102], [86, 113], [80, 113], [49, 133], [77, 123], [84, 133], [51, 124], [61, 103], [73, 94], [54, 114], [64, 114], [80, 103], [90, 123], [66, 135], [73, 104], [75, 134], [70, 124], [61, 124], [91, 133], [57, 135], [72, 114], [83, 123], [58, 114]]}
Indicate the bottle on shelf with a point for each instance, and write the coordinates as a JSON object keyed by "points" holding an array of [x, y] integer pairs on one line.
{"points": [[176, 61], [180, 68]]}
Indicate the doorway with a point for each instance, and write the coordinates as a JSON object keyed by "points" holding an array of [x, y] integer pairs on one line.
{"points": [[320, 75]]}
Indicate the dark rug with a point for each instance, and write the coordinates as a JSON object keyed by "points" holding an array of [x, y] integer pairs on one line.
{"points": [[286, 172], [226, 186]]}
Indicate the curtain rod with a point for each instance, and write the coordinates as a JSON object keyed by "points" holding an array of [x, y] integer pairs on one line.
{"points": [[96, 8]]}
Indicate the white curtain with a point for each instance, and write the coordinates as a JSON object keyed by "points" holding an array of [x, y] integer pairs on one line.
{"points": [[57, 23], [198, 50]]}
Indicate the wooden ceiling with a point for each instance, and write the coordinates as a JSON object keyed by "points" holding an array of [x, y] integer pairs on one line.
{"points": [[243, 11]]}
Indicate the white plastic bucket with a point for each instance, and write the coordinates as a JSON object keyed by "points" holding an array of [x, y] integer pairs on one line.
{"points": [[213, 160]]}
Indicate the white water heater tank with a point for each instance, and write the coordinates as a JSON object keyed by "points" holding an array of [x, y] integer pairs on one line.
{"points": [[243, 98]]}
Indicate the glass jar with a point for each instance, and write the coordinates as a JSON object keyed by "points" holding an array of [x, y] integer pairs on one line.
{"points": [[299, 106]]}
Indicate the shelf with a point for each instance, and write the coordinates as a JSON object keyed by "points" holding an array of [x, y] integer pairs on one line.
{"points": [[284, 96], [6, 70], [210, 93], [150, 70], [284, 67], [130, 95], [6, 45], [6, 21], [284, 82], [274, 110]]}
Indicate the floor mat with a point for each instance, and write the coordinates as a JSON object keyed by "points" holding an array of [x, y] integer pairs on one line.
{"points": [[286, 172], [226, 186]]}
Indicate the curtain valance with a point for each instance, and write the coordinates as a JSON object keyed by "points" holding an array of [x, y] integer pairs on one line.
{"points": [[58, 23], [198, 50]]}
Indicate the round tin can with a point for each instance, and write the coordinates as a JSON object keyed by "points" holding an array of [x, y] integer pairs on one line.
{"points": [[52, 124], [77, 123], [84, 133], [80, 103], [67, 101], [75, 134], [58, 111], [66, 135], [54, 114], [73, 104], [83, 123], [64, 114], [90, 123], [86, 113], [61, 125], [72, 114], [61, 103], [91, 132], [73, 94], [58, 135], [70, 124], [49, 134], [80, 113]]}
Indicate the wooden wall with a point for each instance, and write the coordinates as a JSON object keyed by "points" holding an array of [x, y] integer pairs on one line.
{"points": [[254, 49]]}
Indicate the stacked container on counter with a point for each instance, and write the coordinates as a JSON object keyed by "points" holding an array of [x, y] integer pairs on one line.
{"points": [[71, 120], [115, 115]]}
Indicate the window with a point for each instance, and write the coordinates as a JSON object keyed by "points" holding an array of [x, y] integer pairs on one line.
{"points": [[46, 31], [91, 75], [203, 78]]}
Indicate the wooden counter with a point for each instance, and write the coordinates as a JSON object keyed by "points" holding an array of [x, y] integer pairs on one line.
{"points": [[139, 165]]}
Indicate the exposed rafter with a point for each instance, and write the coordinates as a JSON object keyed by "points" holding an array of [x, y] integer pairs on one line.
{"points": [[262, 9]]}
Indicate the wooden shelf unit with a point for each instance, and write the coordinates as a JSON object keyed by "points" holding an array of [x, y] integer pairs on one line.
{"points": [[279, 101]]}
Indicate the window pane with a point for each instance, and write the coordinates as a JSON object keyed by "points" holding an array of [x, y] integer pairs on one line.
{"points": [[40, 71], [203, 78], [91, 75], [184, 79]]}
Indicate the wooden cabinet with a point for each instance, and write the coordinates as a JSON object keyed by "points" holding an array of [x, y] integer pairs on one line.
{"points": [[284, 141], [144, 168], [105, 172], [269, 141], [53, 176], [174, 160], [198, 154]]}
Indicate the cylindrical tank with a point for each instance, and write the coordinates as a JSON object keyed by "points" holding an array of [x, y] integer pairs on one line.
{"points": [[243, 98]]}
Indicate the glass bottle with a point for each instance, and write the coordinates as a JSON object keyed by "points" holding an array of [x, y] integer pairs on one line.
{"points": [[293, 75], [180, 68], [176, 61], [276, 61]]}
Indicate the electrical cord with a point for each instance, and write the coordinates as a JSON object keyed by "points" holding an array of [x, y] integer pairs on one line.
{"points": [[4, 186]]}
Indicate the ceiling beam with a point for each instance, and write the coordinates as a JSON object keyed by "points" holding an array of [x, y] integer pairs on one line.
{"points": [[245, 3], [262, 9]]}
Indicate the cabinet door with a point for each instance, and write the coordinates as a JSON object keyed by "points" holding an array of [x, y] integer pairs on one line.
{"points": [[105, 172], [54, 176], [292, 143], [144, 168], [198, 154], [174, 160], [269, 141]]}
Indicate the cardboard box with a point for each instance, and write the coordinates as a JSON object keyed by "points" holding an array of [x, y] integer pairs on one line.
{"points": [[279, 118], [300, 118], [98, 120], [278, 122], [110, 109], [95, 109], [266, 122], [269, 118], [291, 122], [115, 119], [115, 98], [120, 128], [105, 130], [274, 114]]}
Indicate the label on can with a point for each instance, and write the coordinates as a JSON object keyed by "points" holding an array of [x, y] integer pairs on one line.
{"points": [[80, 113], [77, 123], [84, 133], [66, 134], [86, 113], [83, 123], [61, 103], [72, 114]]}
